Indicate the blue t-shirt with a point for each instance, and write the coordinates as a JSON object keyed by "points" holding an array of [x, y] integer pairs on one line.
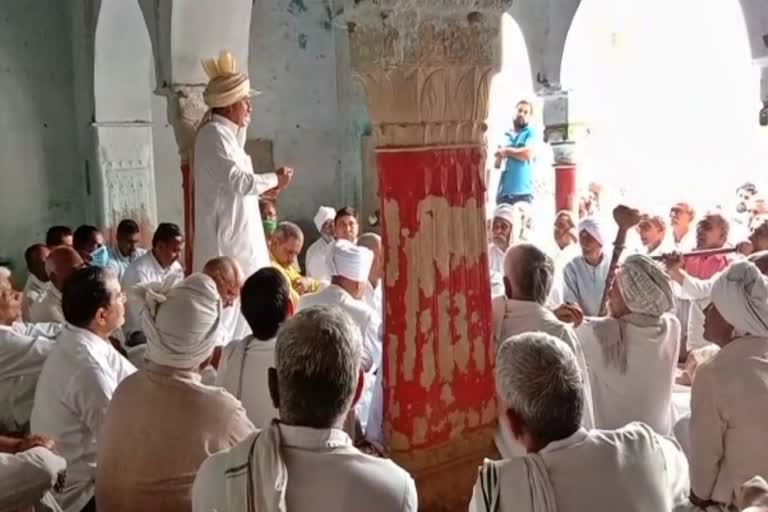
{"points": [[517, 178]]}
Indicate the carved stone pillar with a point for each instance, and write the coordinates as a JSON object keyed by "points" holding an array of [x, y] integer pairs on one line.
{"points": [[426, 71], [185, 108], [562, 131]]}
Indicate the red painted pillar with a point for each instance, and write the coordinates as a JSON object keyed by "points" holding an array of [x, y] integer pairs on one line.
{"points": [[566, 197], [440, 408], [188, 187]]}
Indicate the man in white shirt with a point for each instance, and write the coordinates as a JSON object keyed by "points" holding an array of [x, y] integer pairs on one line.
{"points": [[373, 295], [79, 377], [29, 471], [632, 354], [265, 302], [584, 277], [59, 265], [505, 230], [729, 398], [528, 274], [35, 287], [568, 468], [305, 462], [227, 217], [126, 249], [350, 267], [158, 265], [23, 350], [317, 254], [566, 248], [652, 230]]}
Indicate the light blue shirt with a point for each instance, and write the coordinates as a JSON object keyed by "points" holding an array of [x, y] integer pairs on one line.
{"points": [[584, 284], [118, 263], [517, 178]]}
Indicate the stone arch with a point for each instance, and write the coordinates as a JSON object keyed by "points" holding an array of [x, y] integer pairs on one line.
{"points": [[121, 130]]}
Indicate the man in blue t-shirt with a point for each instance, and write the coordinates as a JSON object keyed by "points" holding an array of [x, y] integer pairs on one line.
{"points": [[516, 183]]}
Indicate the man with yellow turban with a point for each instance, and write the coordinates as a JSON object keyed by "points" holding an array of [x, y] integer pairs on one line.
{"points": [[227, 217]]}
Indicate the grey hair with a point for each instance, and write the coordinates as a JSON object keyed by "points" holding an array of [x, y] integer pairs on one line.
{"points": [[538, 378], [286, 230], [531, 271], [370, 241], [317, 355]]}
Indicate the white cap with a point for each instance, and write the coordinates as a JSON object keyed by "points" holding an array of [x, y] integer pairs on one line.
{"points": [[349, 260], [323, 215]]}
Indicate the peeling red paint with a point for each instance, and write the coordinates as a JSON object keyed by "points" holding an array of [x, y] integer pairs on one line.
{"points": [[408, 178]]}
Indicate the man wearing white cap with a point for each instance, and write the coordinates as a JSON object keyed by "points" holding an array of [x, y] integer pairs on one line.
{"points": [[504, 230], [350, 266], [317, 254], [584, 276], [632, 354], [227, 217], [188, 420], [729, 399]]}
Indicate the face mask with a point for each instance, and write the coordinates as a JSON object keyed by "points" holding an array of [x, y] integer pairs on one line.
{"points": [[269, 227], [100, 257]]}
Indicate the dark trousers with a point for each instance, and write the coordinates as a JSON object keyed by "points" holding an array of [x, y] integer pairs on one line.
{"points": [[513, 200]]}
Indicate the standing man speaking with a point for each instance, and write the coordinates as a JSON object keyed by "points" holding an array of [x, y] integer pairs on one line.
{"points": [[516, 183], [227, 217]]}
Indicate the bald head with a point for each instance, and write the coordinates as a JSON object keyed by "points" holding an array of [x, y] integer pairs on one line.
{"points": [[372, 242], [60, 264], [228, 276], [35, 257], [528, 273]]}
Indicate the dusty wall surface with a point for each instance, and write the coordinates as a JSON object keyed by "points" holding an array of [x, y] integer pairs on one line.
{"points": [[41, 177]]}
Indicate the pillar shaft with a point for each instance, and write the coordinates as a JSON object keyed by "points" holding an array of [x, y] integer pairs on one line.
{"points": [[562, 132], [426, 72]]}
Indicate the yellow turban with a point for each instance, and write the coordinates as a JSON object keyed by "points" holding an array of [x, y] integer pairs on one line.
{"points": [[226, 86]]}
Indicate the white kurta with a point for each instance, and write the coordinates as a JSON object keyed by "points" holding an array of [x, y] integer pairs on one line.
{"points": [[697, 292], [25, 348], [317, 260], [370, 325], [644, 392], [227, 217], [119, 263], [143, 270], [561, 258], [513, 317], [325, 473], [628, 470], [33, 292], [584, 284], [243, 372], [729, 419], [48, 308], [27, 478], [71, 400]]}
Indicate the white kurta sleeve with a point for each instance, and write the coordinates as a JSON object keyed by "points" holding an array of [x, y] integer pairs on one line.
{"points": [[697, 289], [225, 172], [588, 415], [91, 394], [27, 476], [706, 431], [48, 330], [570, 285], [678, 480]]}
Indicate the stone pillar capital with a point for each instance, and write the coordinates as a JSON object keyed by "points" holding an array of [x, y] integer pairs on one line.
{"points": [[185, 108], [426, 68], [564, 125]]}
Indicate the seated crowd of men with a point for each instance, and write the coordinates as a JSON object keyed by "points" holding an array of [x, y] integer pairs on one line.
{"points": [[123, 391]]}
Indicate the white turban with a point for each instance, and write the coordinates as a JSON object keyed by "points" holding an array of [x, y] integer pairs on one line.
{"points": [[741, 296], [508, 213], [349, 260], [645, 287], [323, 215], [181, 322], [595, 228], [226, 86]]}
